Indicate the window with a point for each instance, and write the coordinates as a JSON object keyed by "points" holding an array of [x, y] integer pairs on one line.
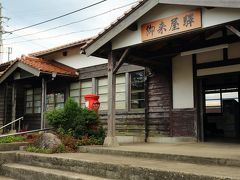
{"points": [[75, 91], [214, 98], [102, 91], [85, 88], [55, 100], [121, 91], [137, 100], [33, 101]]}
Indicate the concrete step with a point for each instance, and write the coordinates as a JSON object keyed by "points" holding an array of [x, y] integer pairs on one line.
{"points": [[12, 146], [6, 178], [26, 172], [123, 167], [191, 158]]}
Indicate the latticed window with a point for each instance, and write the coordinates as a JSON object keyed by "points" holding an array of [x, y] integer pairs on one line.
{"points": [[102, 91], [55, 100], [75, 91], [33, 101], [121, 91], [137, 94], [85, 88]]}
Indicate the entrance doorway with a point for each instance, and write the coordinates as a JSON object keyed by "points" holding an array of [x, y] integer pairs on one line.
{"points": [[221, 108]]}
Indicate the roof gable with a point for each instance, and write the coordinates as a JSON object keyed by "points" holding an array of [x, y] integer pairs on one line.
{"points": [[139, 10], [36, 66]]}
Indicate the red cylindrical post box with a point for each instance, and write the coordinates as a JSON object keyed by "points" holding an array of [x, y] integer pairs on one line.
{"points": [[92, 102]]}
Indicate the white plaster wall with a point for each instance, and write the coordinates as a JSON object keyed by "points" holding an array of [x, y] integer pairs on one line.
{"points": [[182, 75], [210, 17], [127, 37], [78, 61], [215, 16], [218, 70]]}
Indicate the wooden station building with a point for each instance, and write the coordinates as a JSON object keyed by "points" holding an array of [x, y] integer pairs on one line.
{"points": [[166, 71], [190, 50]]}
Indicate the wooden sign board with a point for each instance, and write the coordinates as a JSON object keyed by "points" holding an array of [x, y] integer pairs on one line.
{"points": [[171, 25]]}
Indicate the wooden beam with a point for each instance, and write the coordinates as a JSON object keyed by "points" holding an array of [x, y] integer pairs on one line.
{"points": [[111, 139], [43, 102], [233, 29], [120, 26], [121, 60], [13, 104]]}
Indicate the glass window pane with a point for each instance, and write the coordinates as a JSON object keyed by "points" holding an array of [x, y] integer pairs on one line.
{"points": [[103, 81], [59, 98], [37, 91], [120, 96], [86, 83], [120, 79], [103, 106], [120, 88], [103, 98], [137, 90], [29, 98], [137, 104], [37, 103], [103, 90], [29, 110], [29, 92], [121, 105], [37, 109], [86, 91], [37, 97], [74, 93]]}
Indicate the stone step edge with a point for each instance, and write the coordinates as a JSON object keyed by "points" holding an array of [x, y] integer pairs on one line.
{"points": [[15, 169], [108, 170], [162, 156]]}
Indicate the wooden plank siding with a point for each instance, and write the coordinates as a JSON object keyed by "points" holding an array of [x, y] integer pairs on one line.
{"points": [[2, 105], [127, 123], [101, 70], [183, 122], [159, 97]]}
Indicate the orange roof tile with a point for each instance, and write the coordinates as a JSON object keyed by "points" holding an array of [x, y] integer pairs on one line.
{"points": [[48, 66]]}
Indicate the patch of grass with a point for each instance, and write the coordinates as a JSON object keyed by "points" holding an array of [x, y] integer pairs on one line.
{"points": [[11, 139], [59, 149]]}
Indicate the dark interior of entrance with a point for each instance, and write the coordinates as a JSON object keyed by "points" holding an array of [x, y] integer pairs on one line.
{"points": [[221, 117]]}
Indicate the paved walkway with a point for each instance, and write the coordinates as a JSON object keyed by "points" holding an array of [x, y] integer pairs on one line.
{"points": [[216, 150]]}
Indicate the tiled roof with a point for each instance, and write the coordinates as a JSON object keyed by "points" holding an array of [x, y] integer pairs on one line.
{"points": [[115, 23], [48, 66], [62, 47], [42, 65]]}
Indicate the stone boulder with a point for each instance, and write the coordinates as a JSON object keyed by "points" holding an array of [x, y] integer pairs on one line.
{"points": [[47, 140]]}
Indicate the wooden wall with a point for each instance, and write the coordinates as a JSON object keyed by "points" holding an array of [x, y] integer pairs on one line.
{"points": [[183, 122], [159, 97], [128, 123], [2, 105]]}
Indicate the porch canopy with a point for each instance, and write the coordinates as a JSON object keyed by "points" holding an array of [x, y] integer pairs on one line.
{"points": [[153, 32], [29, 76]]}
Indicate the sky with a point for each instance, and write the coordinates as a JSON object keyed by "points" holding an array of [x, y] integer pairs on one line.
{"points": [[25, 12]]}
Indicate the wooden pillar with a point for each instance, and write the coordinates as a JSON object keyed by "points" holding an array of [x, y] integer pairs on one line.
{"points": [[111, 139], [43, 102], [13, 105]]}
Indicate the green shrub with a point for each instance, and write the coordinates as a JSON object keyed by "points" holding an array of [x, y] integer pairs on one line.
{"points": [[10, 139], [76, 121]]}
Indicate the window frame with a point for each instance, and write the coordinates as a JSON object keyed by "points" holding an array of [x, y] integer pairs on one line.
{"points": [[130, 92]]}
